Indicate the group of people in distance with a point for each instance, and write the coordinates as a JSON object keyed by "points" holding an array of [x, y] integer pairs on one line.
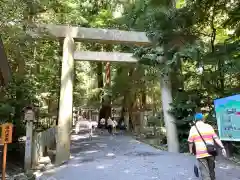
{"points": [[84, 123], [112, 125]]}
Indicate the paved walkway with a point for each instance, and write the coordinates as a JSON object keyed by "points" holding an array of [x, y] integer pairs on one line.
{"points": [[123, 158]]}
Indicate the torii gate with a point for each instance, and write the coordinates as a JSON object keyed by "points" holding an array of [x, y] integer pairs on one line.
{"points": [[69, 54]]}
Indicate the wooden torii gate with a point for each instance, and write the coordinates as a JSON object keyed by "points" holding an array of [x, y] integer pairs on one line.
{"points": [[69, 54]]}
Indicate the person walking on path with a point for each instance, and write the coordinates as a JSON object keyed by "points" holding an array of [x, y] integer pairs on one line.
{"points": [[102, 124], [115, 123], [202, 139], [110, 125]]}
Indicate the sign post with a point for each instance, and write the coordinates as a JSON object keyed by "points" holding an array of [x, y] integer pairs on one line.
{"points": [[228, 114], [227, 111], [6, 137], [29, 118]]}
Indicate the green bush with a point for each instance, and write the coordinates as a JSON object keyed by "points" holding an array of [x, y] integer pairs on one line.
{"points": [[184, 106], [155, 121], [6, 112]]}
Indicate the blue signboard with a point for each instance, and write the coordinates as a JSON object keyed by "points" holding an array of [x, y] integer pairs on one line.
{"points": [[228, 117]]}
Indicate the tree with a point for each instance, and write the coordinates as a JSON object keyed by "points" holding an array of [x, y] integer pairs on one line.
{"points": [[196, 42]]}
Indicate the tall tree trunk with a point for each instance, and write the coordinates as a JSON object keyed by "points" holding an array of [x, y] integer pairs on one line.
{"points": [[238, 78], [176, 79], [169, 119], [130, 100], [144, 98], [100, 75], [221, 76], [167, 99], [28, 20], [108, 98], [105, 110]]}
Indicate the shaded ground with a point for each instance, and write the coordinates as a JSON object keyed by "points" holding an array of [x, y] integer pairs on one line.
{"points": [[123, 158], [15, 159]]}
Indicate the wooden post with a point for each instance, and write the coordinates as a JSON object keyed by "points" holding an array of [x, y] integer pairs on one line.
{"points": [[166, 95], [6, 138], [65, 103], [4, 162], [28, 146], [29, 118]]}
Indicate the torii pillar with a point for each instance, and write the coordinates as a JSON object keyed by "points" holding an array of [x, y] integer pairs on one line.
{"points": [[63, 135]]}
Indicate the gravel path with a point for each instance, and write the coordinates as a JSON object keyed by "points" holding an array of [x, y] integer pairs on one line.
{"points": [[123, 158]]}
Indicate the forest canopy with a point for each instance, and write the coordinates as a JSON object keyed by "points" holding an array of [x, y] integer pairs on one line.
{"points": [[199, 40]]}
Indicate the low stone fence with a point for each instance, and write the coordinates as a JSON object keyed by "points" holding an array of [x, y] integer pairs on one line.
{"points": [[154, 131], [139, 120], [42, 141], [46, 122]]}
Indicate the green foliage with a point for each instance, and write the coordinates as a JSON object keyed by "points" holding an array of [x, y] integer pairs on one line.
{"points": [[36, 62], [236, 148], [6, 111], [155, 121], [197, 42], [184, 106], [194, 34]]}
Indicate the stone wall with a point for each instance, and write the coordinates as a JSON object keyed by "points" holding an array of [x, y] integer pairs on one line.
{"points": [[42, 141]]}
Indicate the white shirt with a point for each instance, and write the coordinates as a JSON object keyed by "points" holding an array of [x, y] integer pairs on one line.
{"points": [[110, 122], [208, 135], [115, 123], [102, 121]]}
